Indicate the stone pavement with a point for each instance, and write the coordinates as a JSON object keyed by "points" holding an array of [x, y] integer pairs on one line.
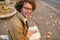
{"points": [[47, 21]]}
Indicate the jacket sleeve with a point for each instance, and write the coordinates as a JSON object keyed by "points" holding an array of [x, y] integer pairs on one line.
{"points": [[16, 30]]}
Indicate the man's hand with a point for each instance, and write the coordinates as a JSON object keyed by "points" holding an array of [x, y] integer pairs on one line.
{"points": [[29, 33]]}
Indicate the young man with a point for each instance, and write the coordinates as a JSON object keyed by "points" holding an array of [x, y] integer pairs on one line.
{"points": [[24, 9]]}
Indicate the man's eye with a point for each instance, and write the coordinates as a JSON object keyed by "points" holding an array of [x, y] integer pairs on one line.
{"points": [[27, 8]]}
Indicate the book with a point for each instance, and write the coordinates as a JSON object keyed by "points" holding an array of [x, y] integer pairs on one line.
{"points": [[36, 34]]}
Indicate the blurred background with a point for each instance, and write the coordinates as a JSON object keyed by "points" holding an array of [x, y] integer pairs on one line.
{"points": [[47, 18]]}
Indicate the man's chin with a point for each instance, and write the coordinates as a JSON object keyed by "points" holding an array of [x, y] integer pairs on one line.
{"points": [[27, 16]]}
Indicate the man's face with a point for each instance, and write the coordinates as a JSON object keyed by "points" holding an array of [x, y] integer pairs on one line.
{"points": [[26, 10]]}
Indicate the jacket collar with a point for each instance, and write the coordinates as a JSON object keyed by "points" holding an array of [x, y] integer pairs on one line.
{"points": [[21, 17]]}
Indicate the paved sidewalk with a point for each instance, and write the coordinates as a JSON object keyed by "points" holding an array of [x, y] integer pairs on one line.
{"points": [[47, 20]]}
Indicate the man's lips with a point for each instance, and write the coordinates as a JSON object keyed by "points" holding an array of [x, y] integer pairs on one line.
{"points": [[28, 14]]}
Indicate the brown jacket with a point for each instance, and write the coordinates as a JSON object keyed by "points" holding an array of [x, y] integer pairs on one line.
{"points": [[17, 29]]}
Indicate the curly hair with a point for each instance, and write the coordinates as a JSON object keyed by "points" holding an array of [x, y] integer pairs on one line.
{"points": [[20, 4]]}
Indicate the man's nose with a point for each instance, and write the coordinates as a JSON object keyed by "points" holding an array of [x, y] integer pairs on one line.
{"points": [[29, 11]]}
